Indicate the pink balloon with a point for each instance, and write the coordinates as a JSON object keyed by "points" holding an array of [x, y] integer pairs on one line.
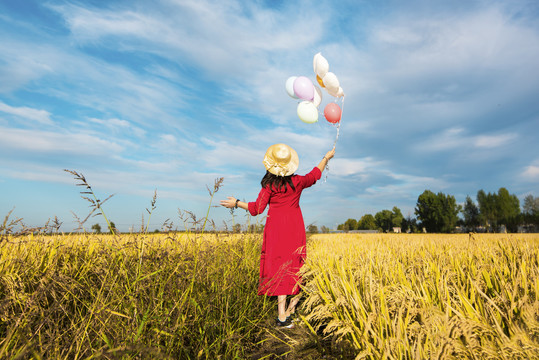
{"points": [[332, 113], [304, 88]]}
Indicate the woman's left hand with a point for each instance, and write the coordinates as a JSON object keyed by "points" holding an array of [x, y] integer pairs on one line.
{"points": [[230, 202]]}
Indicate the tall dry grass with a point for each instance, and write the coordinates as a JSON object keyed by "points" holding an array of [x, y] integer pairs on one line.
{"points": [[91, 296], [194, 296], [425, 296]]}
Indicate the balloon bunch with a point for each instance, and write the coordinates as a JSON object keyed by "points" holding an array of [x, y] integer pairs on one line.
{"points": [[301, 87]]}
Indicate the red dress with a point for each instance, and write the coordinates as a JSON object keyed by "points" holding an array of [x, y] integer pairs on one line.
{"points": [[283, 248]]}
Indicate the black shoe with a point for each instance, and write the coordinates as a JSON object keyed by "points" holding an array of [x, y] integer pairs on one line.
{"points": [[287, 324]]}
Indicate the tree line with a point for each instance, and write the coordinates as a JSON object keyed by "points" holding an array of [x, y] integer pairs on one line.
{"points": [[440, 213]]}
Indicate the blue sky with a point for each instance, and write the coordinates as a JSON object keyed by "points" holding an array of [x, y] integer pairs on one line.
{"points": [[170, 95]]}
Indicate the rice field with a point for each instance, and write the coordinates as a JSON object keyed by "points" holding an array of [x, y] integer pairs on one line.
{"points": [[193, 296], [426, 296]]}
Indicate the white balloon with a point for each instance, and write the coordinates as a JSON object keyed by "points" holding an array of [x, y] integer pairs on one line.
{"points": [[320, 65], [315, 58], [290, 87], [307, 112], [331, 83], [337, 93], [317, 96]]}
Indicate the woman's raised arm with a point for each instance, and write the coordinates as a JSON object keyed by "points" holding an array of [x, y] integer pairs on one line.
{"points": [[324, 161]]}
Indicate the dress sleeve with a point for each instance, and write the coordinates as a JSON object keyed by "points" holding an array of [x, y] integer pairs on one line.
{"points": [[260, 204], [311, 178]]}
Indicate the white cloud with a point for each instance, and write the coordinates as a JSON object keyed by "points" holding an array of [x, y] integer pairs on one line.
{"points": [[197, 29], [485, 38], [448, 69], [50, 142], [40, 116], [132, 95], [138, 177], [397, 36], [117, 126], [246, 48], [494, 141], [223, 154], [531, 173], [346, 167], [170, 146], [446, 140], [112, 123], [457, 138], [168, 138], [20, 66], [161, 167]]}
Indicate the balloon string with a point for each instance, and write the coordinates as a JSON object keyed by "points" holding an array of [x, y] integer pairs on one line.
{"points": [[336, 137], [339, 123]]}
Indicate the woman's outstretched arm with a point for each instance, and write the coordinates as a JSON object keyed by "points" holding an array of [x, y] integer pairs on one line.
{"points": [[324, 161], [230, 202]]}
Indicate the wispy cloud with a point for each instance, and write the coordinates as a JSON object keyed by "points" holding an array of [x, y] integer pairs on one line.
{"points": [[347, 167], [197, 29], [457, 138], [448, 69], [21, 65], [132, 95], [40, 116], [118, 126], [54, 142], [494, 141]]}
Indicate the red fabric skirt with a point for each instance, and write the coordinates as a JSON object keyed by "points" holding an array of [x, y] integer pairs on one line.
{"points": [[283, 253]]}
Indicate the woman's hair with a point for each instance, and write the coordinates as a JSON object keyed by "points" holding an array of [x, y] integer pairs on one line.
{"points": [[277, 182]]}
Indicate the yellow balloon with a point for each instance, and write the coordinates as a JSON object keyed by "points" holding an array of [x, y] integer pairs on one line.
{"points": [[320, 81]]}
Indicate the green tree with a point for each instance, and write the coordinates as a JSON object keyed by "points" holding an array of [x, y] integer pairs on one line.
{"points": [[324, 229], [96, 228], [508, 209], [437, 212], [350, 224], [450, 213], [113, 229], [471, 214], [384, 220], [498, 209], [531, 205], [487, 210], [313, 229], [409, 224], [396, 217], [428, 211], [530, 211], [367, 222]]}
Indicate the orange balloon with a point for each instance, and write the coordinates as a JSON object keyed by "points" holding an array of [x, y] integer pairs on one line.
{"points": [[320, 81]]}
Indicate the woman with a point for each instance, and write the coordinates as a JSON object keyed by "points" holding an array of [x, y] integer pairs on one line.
{"points": [[283, 247]]}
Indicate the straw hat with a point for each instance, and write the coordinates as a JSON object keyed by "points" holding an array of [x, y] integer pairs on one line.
{"points": [[281, 160]]}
